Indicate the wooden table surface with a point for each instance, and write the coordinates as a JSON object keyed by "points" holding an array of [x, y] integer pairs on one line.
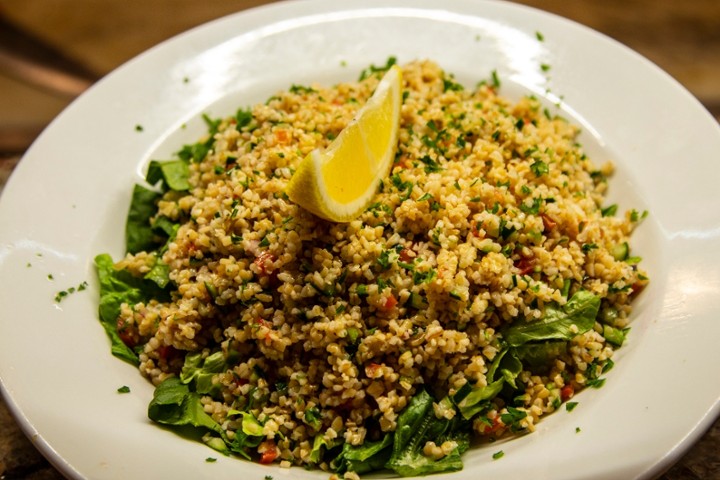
{"points": [[51, 50]]}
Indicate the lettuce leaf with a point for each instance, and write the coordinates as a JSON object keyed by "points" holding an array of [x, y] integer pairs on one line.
{"points": [[118, 287], [417, 424], [557, 322], [139, 234], [174, 404]]}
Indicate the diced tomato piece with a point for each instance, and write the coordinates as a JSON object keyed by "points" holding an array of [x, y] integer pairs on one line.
{"points": [[268, 457], [263, 262], [525, 265], [567, 392], [496, 425], [268, 452], [637, 288], [548, 222], [167, 352], [261, 322], [406, 255], [372, 370], [389, 304], [127, 333], [282, 136]]}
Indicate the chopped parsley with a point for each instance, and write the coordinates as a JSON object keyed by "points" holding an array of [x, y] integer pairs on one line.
{"points": [[609, 211], [431, 165], [570, 406], [533, 209], [539, 168], [498, 454], [494, 79], [372, 69], [59, 296], [587, 247], [124, 389], [211, 459], [540, 36]]}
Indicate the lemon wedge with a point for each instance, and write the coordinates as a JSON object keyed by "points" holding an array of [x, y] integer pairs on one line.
{"points": [[339, 182]]}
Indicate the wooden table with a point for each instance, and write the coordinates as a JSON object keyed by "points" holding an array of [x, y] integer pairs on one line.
{"points": [[89, 38]]}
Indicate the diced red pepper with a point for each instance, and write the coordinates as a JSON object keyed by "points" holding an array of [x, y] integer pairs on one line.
{"points": [[567, 392]]}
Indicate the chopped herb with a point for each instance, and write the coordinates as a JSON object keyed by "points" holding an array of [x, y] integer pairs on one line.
{"points": [[389, 256], [540, 36], [372, 69], [498, 455], [449, 84], [513, 418], [609, 211], [595, 382], [533, 209], [243, 118], [50, 276], [59, 296], [426, 196], [544, 67], [124, 389], [495, 79], [424, 277], [539, 168], [139, 128], [430, 164], [520, 124], [211, 459], [577, 429], [570, 406], [587, 247], [300, 89], [635, 215]]}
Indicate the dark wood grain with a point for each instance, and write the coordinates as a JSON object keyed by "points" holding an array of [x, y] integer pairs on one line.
{"points": [[93, 37]]}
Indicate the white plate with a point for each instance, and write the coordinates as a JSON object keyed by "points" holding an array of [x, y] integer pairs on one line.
{"points": [[68, 198]]}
